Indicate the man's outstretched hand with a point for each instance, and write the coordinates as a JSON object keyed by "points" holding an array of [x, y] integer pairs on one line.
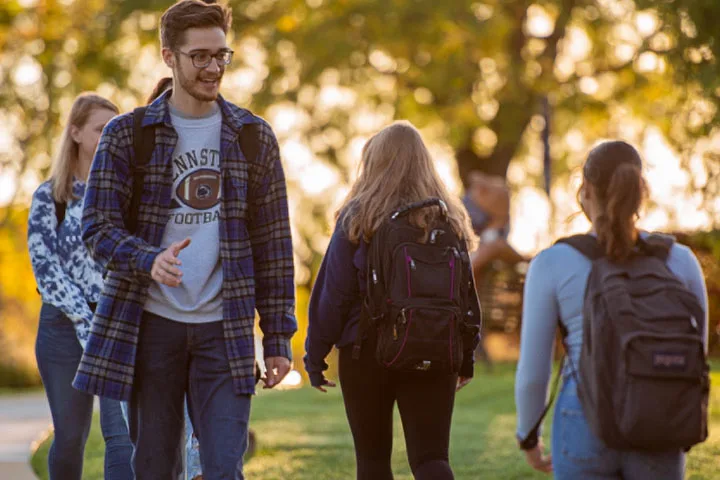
{"points": [[277, 368], [165, 267]]}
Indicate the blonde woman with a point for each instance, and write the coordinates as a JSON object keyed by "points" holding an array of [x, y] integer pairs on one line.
{"points": [[396, 170], [69, 282]]}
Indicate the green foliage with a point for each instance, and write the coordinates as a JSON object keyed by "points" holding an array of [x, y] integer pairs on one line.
{"points": [[20, 306], [463, 66], [706, 246], [472, 72]]}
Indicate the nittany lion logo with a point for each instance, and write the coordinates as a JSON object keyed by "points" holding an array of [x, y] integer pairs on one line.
{"points": [[200, 190]]}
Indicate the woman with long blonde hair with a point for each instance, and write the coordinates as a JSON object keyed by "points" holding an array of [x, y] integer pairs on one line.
{"points": [[396, 171], [69, 282]]}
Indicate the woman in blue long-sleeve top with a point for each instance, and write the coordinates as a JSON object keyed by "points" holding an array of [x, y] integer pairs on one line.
{"points": [[396, 170], [611, 196], [69, 282]]}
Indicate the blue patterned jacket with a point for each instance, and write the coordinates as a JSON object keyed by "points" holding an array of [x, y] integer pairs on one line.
{"points": [[67, 277], [255, 247]]}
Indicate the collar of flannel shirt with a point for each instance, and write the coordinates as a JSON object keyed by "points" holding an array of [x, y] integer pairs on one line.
{"points": [[158, 112]]}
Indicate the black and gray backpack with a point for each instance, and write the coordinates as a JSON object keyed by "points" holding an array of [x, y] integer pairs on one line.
{"points": [[420, 298], [643, 374]]}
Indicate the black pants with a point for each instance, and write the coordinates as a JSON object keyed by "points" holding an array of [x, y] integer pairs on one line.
{"points": [[425, 404]]}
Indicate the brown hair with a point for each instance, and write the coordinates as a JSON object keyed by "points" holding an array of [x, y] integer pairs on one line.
{"points": [[65, 162], [614, 171], [396, 169], [162, 85], [188, 14]]}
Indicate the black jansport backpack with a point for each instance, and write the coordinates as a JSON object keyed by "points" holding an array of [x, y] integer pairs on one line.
{"points": [[644, 378], [421, 297]]}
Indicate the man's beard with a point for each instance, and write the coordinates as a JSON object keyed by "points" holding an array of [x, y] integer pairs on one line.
{"points": [[194, 87]]}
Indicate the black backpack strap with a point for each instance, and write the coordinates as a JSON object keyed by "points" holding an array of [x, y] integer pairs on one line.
{"points": [[657, 244], [584, 243], [369, 311], [422, 204], [362, 328], [143, 144], [249, 141], [531, 440], [60, 212]]}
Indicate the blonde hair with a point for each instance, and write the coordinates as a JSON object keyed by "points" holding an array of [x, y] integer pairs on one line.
{"points": [[65, 162], [396, 169]]}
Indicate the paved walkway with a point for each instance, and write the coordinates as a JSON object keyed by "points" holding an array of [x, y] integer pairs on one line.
{"points": [[24, 417]]}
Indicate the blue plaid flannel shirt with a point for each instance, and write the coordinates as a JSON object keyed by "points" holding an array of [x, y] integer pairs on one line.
{"points": [[255, 247]]}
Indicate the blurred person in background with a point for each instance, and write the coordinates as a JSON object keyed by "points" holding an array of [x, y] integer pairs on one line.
{"points": [[487, 200], [70, 281]]}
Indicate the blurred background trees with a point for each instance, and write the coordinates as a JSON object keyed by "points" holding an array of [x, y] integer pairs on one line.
{"points": [[475, 76]]}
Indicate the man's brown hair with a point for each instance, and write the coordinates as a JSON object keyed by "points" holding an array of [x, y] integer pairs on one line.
{"points": [[191, 14]]}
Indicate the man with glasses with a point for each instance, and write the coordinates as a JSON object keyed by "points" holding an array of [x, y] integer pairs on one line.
{"points": [[211, 244]]}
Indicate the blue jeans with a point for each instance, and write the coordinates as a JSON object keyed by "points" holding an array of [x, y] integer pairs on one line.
{"points": [[192, 446], [58, 355], [174, 360], [578, 453]]}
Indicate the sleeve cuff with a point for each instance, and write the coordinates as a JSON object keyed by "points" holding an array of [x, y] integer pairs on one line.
{"points": [[145, 259], [277, 346], [317, 379], [528, 443]]}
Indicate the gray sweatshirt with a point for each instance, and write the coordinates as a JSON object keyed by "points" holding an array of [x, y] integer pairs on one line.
{"points": [[194, 213]]}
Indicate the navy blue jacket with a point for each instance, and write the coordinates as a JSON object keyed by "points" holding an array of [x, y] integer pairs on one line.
{"points": [[334, 311]]}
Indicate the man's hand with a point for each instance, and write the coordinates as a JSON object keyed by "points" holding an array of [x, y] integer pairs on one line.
{"points": [[327, 383], [461, 382], [277, 368], [164, 269], [536, 460]]}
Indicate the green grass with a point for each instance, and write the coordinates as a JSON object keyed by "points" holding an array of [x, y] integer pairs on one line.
{"points": [[303, 435], [94, 455]]}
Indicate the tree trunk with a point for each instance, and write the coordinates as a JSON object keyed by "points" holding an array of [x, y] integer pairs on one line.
{"points": [[498, 161]]}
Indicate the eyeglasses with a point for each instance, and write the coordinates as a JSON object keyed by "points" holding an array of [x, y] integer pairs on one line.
{"points": [[202, 59]]}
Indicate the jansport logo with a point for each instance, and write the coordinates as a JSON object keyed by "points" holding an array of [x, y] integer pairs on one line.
{"points": [[200, 190], [669, 360]]}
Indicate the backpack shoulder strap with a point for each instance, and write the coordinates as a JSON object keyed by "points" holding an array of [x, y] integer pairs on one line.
{"points": [[532, 437], [584, 243], [249, 141], [658, 245], [371, 309], [143, 144], [60, 211]]}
